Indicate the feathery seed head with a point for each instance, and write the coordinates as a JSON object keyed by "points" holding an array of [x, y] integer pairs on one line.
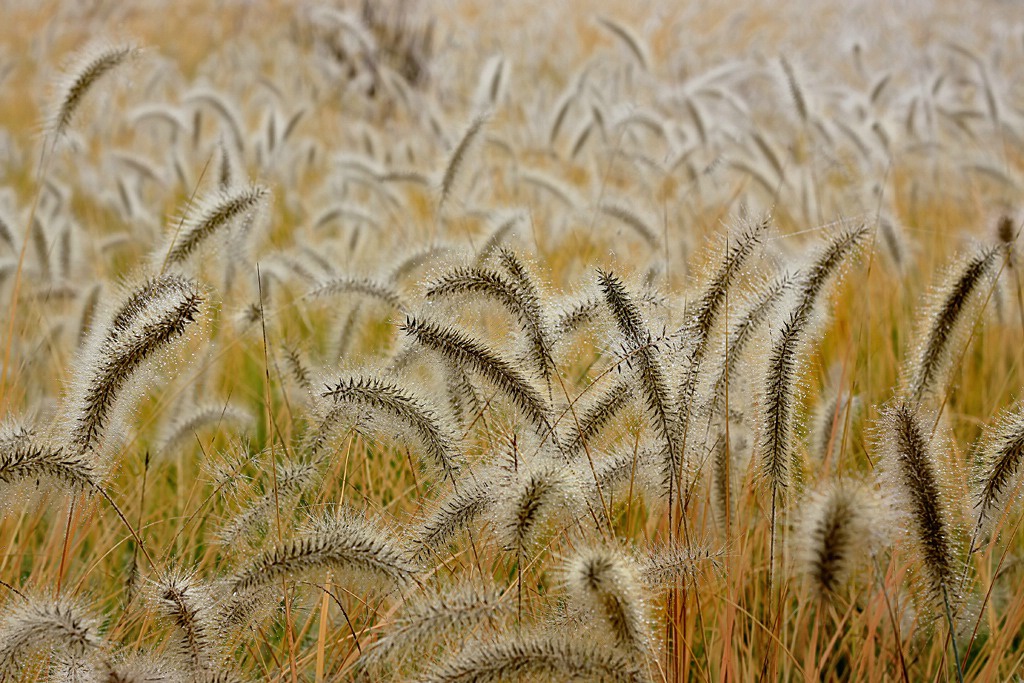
{"points": [[640, 225], [607, 583], [458, 511], [392, 403], [595, 415], [437, 615], [471, 354], [345, 543], [88, 67], [739, 250], [1000, 456], [537, 659], [258, 509], [531, 500], [26, 460], [36, 625], [839, 527], [834, 415], [184, 427], [358, 285], [783, 373], [210, 215], [459, 157], [946, 322], [913, 478], [753, 312], [660, 400], [504, 225], [664, 565], [188, 605], [152, 317]]}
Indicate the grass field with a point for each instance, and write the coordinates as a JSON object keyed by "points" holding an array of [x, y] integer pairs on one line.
{"points": [[478, 341]]}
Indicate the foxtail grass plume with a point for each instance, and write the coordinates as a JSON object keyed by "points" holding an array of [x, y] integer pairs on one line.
{"points": [[298, 367], [87, 69], [439, 615], [626, 471], [596, 415], [667, 564], [454, 514], [460, 348], [914, 482], [706, 313], [397, 403], [152, 317], [532, 315], [211, 215], [358, 285], [535, 497], [629, 39], [835, 413], [459, 157], [785, 359], [946, 321], [754, 311], [795, 91], [186, 603], [185, 426], [1000, 455], [344, 544], [710, 304], [607, 583], [24, 458], [35, 625], [519, 298], [839, 528], [627, 216], [289, 482], [729, 448], [537, 659], [658, 397]]}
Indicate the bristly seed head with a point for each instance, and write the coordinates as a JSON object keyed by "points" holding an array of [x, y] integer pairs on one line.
{"points": [[90, 66], [1000, 455], [840, 527], [153, 316], [607, 582], [211, 215], [37, 623], [945, 323], [914, 479]]}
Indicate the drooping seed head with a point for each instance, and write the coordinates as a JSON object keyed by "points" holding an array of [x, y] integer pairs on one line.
{"points": [[343, 544], [607, 583], [188, 605], [997, 472], [439, 614], [532, 499], [88, 67], [396, 403], [27, 459], [35, 625], [211, 215], [839, 528], [558, 658], [152, 317], [946, 322]]}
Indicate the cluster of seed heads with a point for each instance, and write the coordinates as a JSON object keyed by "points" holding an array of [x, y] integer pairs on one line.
{"points": [[423, 460]]}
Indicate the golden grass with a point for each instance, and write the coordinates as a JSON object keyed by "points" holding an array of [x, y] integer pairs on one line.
{"points": [[945, 180]]}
